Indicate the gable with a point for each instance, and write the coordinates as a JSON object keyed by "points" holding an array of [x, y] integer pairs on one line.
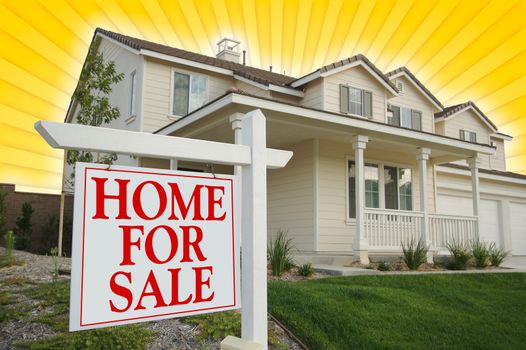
{"points": [[468, 119]]}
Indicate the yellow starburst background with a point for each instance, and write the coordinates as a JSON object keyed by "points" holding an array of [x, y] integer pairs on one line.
{"points": [[461, 50]]}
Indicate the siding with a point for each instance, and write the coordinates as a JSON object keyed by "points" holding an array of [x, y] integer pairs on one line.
{"points": [[157, 86], [290, 198], [314, 95], [335, 231], [498, 161], [356, 77], [412, 98]]}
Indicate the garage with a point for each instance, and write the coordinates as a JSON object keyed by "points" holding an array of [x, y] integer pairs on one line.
{"points": [[518, 228], [489, 214]]}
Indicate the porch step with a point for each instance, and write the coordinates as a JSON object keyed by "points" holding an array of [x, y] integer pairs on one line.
{"points": [[342, 270]]}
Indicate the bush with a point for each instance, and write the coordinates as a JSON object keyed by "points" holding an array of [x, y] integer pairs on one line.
{"points": [[384, 266], [497, 255], [480, 253], [415, 253], [23, 227], [9, 239], [279, 254], [460, 256], [3, 206], [48, 235], [217, 325], [306, 270]]}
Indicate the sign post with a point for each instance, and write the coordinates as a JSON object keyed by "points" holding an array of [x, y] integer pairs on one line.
{"points": [[152, 228]]}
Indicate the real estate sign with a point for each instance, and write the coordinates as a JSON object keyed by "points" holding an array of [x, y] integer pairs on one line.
{"points": [[150, 244]]}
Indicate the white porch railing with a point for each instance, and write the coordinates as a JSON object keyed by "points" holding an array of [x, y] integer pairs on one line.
{"points": [[444, 229], [385, 229]]}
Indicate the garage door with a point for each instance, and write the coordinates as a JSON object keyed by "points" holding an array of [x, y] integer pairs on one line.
{"points": [[489, 214], [518, 228]]}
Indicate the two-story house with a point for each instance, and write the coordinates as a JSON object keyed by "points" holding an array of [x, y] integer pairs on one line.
{"points": [[378, 159]]}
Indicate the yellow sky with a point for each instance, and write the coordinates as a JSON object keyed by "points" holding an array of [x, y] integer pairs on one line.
{"points": [[461, 50]]}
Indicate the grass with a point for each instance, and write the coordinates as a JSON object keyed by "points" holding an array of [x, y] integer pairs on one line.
{"points": [[469, 311]]}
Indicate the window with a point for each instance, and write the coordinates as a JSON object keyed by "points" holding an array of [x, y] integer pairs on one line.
{"points": [[467, 135], [133, 88], [405, 117], [396, 183], [189, 93], [356, 101]]}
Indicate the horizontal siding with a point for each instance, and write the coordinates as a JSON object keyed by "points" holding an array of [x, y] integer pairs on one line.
{"points": [[313, 95], [498, 161], [356, 77], [157, 91], [412, 98], [290, 198], [467, 120]]}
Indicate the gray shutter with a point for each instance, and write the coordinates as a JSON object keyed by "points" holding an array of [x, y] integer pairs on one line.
{"points": [[462, 137], [416, 120], [344, 99], [367, 104], [473, 137], [396, 115]]}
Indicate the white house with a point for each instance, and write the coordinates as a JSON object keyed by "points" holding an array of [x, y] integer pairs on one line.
{"points": [[377, 158]]}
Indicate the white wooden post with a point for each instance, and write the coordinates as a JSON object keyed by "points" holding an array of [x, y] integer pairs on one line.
{"points": [[360, 244], [254, 232], [173, 164], [474, 164], [235, 120], [422, 156]]}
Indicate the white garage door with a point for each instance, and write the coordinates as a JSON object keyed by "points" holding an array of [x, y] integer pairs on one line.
{"points": [[489, 214], [518, 228]]}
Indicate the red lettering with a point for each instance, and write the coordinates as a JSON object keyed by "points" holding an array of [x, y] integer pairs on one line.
{"points": [[199, 283], [156, 293], [101, 197], [187, 243], [212, 202], [175, 289], [184, 208], [150, 252], [127, 243], [121, 291], [137, 204]]}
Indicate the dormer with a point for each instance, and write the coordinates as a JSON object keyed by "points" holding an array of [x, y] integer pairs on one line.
{"points": [[414, 106]]}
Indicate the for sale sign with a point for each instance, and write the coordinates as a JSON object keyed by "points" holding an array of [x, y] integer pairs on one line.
{"points": [[150, 244]]}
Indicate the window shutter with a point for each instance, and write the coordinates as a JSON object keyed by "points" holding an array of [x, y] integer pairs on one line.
{"points": [[416, 120], [344, 99], [396, 115], [367, 104], [462, 137], [473, 137]]}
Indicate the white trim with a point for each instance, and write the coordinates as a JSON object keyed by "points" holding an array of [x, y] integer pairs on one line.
{"points": [[361, 123], [174, 70], [285, 90], [501, 137], [316, 199], [417, 87], [306, 79], [465, 109], [142, 91], [186, 62], [132, 92], [118, 43], [250, 82], [482, 175]]}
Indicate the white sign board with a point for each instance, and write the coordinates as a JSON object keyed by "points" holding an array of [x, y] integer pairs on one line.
{"points": [[150, 244]]}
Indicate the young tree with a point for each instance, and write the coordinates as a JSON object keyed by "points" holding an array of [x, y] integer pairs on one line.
{"points": [[92, 95], [24, 227]]}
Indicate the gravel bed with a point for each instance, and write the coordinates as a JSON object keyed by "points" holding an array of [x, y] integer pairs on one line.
{"points": [[170, 334]]}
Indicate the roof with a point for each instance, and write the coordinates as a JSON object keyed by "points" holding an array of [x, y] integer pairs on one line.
{"points": [[348, 61], [452, 110], [406, 71], [487, 171], [258, 75]]}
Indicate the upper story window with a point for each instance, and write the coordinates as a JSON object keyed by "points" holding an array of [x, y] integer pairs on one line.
{"points": [[189, 92], [356, 101], [405, 117], [133, 92], [467, 135]]}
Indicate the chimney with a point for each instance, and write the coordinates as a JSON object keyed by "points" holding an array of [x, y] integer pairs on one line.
{"points": [[228, 50]]}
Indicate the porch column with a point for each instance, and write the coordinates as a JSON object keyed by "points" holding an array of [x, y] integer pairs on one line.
{"points": [[474, 164], [422, 156], [360, 244], [235, 120]]}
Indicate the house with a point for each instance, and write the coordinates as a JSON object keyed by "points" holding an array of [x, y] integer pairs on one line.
{"points": [[378, 159]]}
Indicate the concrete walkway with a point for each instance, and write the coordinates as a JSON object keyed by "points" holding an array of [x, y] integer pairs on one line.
{"points": [[512, 264]]}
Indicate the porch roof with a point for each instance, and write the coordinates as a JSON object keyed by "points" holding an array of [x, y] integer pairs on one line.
{"points": [[322, 124]]}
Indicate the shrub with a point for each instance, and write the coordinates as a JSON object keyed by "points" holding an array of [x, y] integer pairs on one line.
{"points": [[279, 254], [9, 239], [217, 325], [460, 256], [480, 253], [48, 234], [384, 266], [497, 255], [306, 270], [23, 227], [3, 206], [415, 253]]}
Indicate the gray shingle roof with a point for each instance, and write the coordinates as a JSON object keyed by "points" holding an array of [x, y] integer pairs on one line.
{"points": [[417, 82], [451, 110]]}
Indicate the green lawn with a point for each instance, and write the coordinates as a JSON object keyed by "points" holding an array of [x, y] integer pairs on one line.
{"points": [[468, 311]]}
